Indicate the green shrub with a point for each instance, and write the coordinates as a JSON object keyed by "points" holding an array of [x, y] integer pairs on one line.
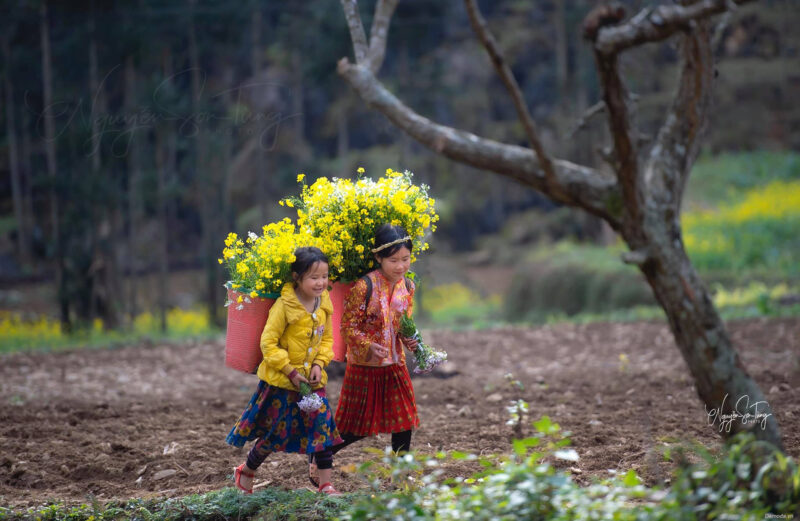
{"points": [[749, 481], [569, 287]]}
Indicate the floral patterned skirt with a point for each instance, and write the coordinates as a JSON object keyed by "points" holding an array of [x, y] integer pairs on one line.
{"points": [[376, 399], [273, 414]]}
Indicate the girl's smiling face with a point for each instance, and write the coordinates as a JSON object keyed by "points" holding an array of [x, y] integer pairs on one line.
{"points": [[315, 280], [395, 266]]}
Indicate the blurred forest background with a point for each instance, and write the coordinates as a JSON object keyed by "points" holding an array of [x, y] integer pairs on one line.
{"points": [[136, 134]]}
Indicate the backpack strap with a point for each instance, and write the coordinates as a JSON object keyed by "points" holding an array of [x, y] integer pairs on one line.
{"points": [[369, 291]]}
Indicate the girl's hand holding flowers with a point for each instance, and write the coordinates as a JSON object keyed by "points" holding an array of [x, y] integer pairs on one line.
{"points": [[426, 357], [296, 378], [411, 343]]}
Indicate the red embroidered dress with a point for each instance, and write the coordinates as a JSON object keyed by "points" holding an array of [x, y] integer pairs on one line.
{"points": [[377, 395]]}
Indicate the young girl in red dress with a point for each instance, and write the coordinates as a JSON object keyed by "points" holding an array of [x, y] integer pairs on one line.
{"points": [[377, 395]]}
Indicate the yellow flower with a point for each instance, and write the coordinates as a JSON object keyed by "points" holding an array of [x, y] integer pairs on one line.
{"points": [[281, 202], [253, 294], [360, 170], [290, 204], [300, 177]]}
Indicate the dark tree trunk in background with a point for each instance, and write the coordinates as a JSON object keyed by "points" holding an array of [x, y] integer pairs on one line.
{"points": [[104, 273], [261, 154], [52, 166], [205, 184], [23, 243], [642, 201], [133, 162], [164, 160], [162, 259]]}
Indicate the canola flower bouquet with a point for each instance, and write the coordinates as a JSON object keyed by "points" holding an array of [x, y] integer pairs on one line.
{"points": [[342, 214], [339, 216], [259, 265], [426, 357]]}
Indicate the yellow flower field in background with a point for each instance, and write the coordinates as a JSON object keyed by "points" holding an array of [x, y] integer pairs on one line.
{"points": [[19, 332], [759, 231]]}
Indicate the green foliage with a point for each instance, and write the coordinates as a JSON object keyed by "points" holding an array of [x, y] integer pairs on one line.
{"points": [[456, 304], [728, 176], [225, 504], [748, 481], [574, 278]]}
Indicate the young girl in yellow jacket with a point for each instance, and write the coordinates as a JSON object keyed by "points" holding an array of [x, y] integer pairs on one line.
{"points": [[297, 346]]}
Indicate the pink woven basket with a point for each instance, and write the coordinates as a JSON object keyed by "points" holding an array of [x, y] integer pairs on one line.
{"points": [[243, 335]]}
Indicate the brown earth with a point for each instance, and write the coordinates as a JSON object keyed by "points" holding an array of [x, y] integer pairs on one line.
{"points": [[151, 420]]}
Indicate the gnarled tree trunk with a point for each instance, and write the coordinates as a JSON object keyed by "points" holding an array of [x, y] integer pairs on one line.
{"points": [[641, 201]]}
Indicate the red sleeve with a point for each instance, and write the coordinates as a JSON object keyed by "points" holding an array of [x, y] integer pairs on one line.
{"points": [[353, 319]]}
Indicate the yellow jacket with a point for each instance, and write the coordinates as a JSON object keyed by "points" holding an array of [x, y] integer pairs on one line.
{"points": [[293, 338]]}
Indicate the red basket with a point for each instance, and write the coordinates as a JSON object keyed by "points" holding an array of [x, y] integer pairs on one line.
{"points": [[243, 336], [338, 293]]}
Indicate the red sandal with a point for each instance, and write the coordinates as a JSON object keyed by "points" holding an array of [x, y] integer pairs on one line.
{"points": [[327, 488], [237, 477]]}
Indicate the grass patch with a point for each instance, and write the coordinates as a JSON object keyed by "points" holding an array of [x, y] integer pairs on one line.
{"points": [[225, 504], [457, 305]]}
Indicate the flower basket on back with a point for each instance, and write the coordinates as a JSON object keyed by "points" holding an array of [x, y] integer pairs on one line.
{"points": [[258, 267], [343, 215], [338, 294], [243, 335]]}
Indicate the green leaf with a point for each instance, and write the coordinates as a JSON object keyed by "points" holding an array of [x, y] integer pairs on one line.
{"points": [[631, 479], [546, 426]]}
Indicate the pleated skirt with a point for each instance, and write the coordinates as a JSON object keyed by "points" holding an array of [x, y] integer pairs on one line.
{"points": [[376, 400]]}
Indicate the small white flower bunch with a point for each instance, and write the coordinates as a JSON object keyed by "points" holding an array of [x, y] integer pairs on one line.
{"points": [[311, 401], [426, 357]]}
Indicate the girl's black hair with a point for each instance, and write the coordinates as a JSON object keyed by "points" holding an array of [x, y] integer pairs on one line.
{"points": [[387, 233], [305, 258]]}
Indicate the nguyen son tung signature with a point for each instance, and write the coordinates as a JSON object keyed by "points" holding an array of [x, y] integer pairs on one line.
{"points": [[742, 409]]}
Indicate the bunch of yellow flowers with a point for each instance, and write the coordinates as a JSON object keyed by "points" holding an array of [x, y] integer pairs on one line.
{"points": [[261, 264], [343, 215], [339, 217]]}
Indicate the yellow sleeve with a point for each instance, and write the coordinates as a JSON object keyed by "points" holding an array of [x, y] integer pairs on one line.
{"points": [[325, 353], [276, 356]]}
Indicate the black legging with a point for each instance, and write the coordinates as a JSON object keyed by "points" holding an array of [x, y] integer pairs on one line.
{"points": [[259, 453], [401, 442]]}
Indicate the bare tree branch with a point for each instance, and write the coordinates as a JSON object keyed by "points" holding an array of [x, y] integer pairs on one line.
{"points": [[615, 96], [379, 32], [585, 187], [677, 144], [504, 71], [656, 24], [357, 34], [592, 111]]}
